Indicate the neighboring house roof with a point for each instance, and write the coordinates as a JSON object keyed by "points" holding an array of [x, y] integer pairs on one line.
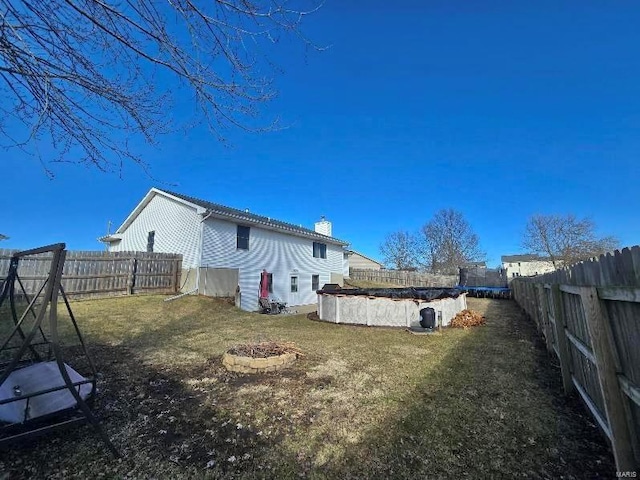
{"points": [[475, 264], [529, 257], [364, 256], [220, 211]]}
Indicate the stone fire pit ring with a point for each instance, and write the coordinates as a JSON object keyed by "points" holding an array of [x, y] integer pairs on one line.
{"points": [[243, 364]]}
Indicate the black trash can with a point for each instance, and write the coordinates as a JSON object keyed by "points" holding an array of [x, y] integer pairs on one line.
{"points": [[428, 318]]}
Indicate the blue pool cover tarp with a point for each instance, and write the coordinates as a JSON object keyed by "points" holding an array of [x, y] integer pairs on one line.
{"points": [[486, 291]]}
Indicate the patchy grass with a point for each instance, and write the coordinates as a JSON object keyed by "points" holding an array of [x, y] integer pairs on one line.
{"points": [[362, 403]]}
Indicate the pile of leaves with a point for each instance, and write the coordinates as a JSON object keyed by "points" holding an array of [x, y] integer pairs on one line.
{"points": [[467, 318], [264, 349]]}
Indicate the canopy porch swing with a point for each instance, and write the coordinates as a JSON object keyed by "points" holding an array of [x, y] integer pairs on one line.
{"points": [[39, 392]]}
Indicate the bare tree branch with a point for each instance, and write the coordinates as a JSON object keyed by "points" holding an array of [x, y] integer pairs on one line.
{"points": [[87, 75], [399, 250], [565, 239], [448, 242]]}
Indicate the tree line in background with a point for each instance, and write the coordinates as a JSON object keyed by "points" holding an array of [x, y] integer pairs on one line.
{"points": [[441, 246], [447, 242], [565, 239]]}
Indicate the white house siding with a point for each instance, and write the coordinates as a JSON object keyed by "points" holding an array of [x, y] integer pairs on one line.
{"points": [[345, 265], [529, 268], [176, 226], [280, 254]]}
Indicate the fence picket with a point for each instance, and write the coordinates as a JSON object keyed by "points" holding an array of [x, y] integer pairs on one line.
{"points": [[596, 303], [607, 363], [97, 274], [402, 278]]}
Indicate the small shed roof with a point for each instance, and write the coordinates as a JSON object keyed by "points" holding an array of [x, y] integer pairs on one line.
{"points": [[474, 264], [528, 257]]}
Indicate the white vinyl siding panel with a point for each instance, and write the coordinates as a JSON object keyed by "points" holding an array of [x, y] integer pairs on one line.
{"points": [[358, 261], [527, 268], [176, 228], [280, 254]]}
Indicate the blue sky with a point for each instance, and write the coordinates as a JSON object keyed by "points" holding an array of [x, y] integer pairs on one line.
{"points": [[500, 110]]}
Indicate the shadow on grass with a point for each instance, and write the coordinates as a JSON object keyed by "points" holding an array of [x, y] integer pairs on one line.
{"points": [[492, 408], [162, 428]]}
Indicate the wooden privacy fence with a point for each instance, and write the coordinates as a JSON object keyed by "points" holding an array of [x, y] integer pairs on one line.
{"points": [[403, 278], [99, 274], [484, 278], [589, 315]]}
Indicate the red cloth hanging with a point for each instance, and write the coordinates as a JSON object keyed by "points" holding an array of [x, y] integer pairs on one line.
{"points": [[264, 284]]}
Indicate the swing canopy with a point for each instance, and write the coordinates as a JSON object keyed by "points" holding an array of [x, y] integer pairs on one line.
{"points": [[39, 390]]}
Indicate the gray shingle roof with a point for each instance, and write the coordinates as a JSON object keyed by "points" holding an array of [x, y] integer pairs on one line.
{"points": [[243, 215]]}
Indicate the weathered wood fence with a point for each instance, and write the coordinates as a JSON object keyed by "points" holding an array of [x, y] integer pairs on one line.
{"points": [[589, 315], [404, 278], [99, 274], [485, 278]]}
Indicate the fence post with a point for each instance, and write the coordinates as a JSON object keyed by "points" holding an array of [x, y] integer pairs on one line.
{"points": [[606, 356], [131, 282], [561, 338], [544, 312], [535, 306], [176, 275]]}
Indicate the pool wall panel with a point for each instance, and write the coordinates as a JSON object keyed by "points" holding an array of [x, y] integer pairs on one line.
{"points": [[385, 312]]}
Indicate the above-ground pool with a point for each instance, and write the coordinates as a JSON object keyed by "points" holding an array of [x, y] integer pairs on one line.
{"points": [[389, 307]]}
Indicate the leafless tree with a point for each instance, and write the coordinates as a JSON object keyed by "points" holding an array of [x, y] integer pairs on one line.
{"points": [[88, 76], [565, 239], [448, 241], [399, 250]]}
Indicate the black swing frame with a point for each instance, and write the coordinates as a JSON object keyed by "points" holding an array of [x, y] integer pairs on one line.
{"points": [[11, 433]]}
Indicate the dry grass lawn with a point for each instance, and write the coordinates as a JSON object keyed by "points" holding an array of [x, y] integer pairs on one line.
{"points": [[362, 402]]}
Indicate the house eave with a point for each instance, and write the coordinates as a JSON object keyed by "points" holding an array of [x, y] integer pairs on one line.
{"points": [[224, 215], [110, 238], [145, 201]]}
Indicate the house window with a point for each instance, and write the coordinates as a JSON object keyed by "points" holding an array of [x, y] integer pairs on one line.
{"points": [[294, 284], [243, 237], [315, 282], [319, 250], [151, 238]]}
